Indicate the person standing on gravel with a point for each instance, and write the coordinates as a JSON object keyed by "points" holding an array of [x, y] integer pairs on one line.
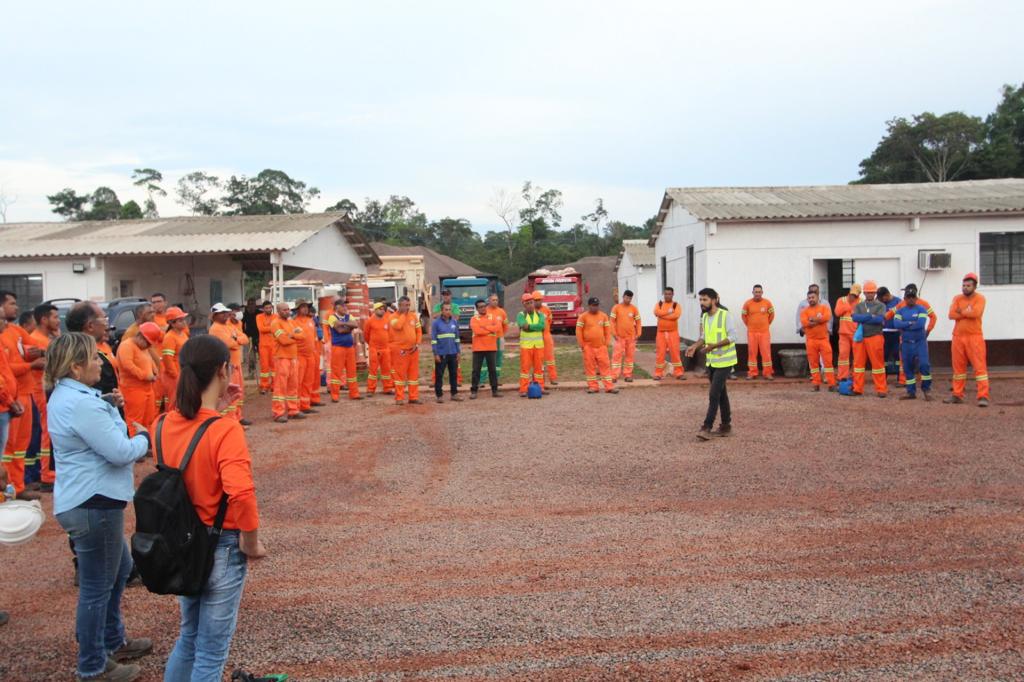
{"points": [[531, 345], [968, 341], [405, 331], [593, 334], [626, 329], [870, 315], [487, 329], [911, 319], [758, 314], [668, 313], [444, 342], [719, 345]]}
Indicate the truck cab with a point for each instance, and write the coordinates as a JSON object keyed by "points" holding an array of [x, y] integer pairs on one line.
{"points": [[466, 290], [563, 292]]}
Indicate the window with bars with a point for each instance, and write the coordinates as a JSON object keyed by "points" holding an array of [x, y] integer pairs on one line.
{"points": [[849, 276], [689, 270], [28, 289], [1002, 257]]}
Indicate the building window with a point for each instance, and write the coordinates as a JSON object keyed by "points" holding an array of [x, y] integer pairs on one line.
{"points": [[689, 270], [664, 272], [1002, 257], [28, 289], [849, 276], [126, 288]]}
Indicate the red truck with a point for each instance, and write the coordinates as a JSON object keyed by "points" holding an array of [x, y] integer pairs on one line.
{"points": [[563, 292]]}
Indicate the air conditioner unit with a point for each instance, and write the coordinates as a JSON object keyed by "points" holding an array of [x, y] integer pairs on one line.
{"points": [[934, 260]]}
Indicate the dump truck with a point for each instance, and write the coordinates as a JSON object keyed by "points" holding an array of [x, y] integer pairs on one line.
{"points": [[563, 292], [466, 290]]}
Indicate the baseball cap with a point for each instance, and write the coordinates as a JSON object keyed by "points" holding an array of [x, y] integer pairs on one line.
{"points": [[152, 332], [971, 275], [219, 308], [175, 313], [378, 305], [593, 300], [910, 289], [446, 292], [855, 289]]}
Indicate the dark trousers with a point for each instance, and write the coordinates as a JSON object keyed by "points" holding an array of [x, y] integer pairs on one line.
{"points": [[891, 351], [718, 396], [479, 357], [451, 363]]}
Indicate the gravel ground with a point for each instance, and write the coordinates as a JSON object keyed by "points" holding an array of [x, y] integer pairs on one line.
{"points": [[591, 537]]}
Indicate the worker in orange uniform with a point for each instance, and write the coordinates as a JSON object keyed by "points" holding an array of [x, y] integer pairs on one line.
{"points": [[309, 357], [933, 319], [235, 322], [22, 358], [494, 309], [375, 333], [758, 314], [263, 323], [593, 335], [550, 368], [344, 330], [847, 328], [814, 321], [487, 329], [968, 346], [668, 312], [47, 328], [287, 335], [174, 339], [159, 303], [626, 329], [869, 315], [138, 375], [10, 407], [232, 336], [531, 325], [405, 331]]}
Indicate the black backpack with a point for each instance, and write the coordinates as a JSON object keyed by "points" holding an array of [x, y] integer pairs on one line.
{"points": [[173, 549]]}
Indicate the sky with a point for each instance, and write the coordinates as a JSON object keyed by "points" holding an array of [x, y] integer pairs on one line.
{"points": [[446, 102]]}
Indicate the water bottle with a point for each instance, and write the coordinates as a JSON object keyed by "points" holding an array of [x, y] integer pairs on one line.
{"points": [[9, 492]]}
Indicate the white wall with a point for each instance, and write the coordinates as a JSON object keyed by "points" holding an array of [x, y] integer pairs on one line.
{"points": [[326, 250], [781, 257], [59, 281], [643, 283], [680, 230]]}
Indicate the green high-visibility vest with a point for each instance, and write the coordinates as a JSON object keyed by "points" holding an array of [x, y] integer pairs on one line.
{"points": [[715, 331]]}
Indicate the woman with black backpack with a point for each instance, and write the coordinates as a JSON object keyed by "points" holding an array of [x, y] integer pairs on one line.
{"points": [[220, 467]]}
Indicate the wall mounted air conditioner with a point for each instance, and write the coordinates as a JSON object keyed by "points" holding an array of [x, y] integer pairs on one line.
{"points": [[934, 260]]}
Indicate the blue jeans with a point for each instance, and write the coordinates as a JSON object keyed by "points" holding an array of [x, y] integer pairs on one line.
{"points": [[208, 621], [104, 562]]}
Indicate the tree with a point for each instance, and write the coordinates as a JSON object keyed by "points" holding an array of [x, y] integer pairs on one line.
{"points": [[928, 148], [1002, 155], [103, 205], [149, 179], [597, 216], [192, 190], [506, 206], [272, 192], [5, 202], [343, 206], [131, 211], [540, 210], [455, 237], [68, 204]]}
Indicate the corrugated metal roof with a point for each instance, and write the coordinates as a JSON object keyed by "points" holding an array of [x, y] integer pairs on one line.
{"points": [[639, 252], [183, 235], [845, 201]]}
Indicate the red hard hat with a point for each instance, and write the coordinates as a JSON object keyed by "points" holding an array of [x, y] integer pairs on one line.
{"points": [[175, 313], [152, 332], [971, 275]]}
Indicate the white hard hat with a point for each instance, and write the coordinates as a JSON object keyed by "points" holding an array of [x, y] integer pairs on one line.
{"points": [[19, 521]]}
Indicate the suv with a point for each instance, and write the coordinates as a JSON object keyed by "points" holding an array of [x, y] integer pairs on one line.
{"points": [[120, 316]]}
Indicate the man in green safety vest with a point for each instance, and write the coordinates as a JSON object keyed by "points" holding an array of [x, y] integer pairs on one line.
{"points": [[718, 341]]}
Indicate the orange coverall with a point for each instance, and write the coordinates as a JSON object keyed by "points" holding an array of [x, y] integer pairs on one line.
{"points": [[309, 363], [819, 348], [593, 334], [263, 322], [549, 344], [46, 474], [626, 329], [404, 335], [968, 343], [668, 338], [758, 316], [232, 338], [343, 362], [847, 328], [138, 374], [156, 351], [13, 340], [170, 366], [375, 331], [287, 335]]}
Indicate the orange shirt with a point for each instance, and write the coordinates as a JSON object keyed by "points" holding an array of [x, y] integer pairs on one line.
{"points": [[160, 320], [546, 312], [932, 317], [486, 330], [309, 342], [287, 336], [225, 333], [404, 331], [242, 337], [968, 319], [820, 312], [375, 332], [758, 315], [8, 384], [39, 340], [500, 312], [626, 321], [137, 368], [844, 311], [15, 340], [668, 316], [263, 323], [173, 341], [220, 465], [593, 329]]}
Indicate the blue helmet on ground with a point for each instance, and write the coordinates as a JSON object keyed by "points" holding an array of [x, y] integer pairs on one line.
{"points": [[846, 387], [534, 390]]}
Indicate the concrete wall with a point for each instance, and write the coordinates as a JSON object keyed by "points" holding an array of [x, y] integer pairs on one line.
{"points": [[326, 250], [680, 230], [59, 281], [173, 276], [644, 285]]}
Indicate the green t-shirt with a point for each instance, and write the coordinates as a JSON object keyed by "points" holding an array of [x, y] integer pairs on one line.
{"points": [[455, 310]]}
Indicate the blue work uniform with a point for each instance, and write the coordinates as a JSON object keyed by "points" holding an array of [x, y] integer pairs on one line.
{"points": [[912, 323]]}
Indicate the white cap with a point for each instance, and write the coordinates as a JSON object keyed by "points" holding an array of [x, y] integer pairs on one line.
{"points": [[19, 521], [219, 308]]}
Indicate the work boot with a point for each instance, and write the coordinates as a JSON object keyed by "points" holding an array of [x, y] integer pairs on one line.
{"points": [[334, 400], [591, 390], [27, 494], [495, 394], [297, 415], [456, 398], [982, 402], [245, 422], [953, 400], [308, 410], [682, 377], [927, 396], [769, 377], [613, 390], [132, 649], [282, 419], [399, 402], [657, 378], [750, 377], [116, 672], [815, 388], [552, 383], [628, 380], [522, 395], [357, 397], [439, 399], [723, 430], [472, 395], [833, 388], [704, 433], [417, 401], [883, 395], [908, 396]]}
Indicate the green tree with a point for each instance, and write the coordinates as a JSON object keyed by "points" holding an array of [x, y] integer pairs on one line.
{"points": [[928, 148], [272, 192], [103, 205], [597, 217], [131, 211], [192, 192], [345, 205], [149, 179], [1002, 155], [68, 204]]}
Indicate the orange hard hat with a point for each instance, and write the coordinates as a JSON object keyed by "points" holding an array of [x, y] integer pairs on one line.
{"points": [[527, 297], [870, 287], [175, 313], [971, 275], [152, 332], [538, 295]]}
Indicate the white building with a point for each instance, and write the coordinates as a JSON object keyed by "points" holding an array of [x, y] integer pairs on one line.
{"points": [[730, 238], [196, 260], [637, 271]]}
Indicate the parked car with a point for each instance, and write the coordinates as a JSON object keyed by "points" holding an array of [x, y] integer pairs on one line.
{"points": [[120, 316]]}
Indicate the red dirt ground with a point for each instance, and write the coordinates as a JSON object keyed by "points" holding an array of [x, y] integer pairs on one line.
{"points": [[591, 537]]}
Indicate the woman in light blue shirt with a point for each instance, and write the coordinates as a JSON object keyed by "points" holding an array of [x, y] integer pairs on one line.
{"points": [[95, 459]]}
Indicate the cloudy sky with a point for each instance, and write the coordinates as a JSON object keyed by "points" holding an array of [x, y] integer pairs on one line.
{"points": [[446, 101]]}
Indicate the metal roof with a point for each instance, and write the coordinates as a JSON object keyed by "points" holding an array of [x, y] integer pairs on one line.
{"points": [[176, 236], [763, 204], [640, 253]]}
